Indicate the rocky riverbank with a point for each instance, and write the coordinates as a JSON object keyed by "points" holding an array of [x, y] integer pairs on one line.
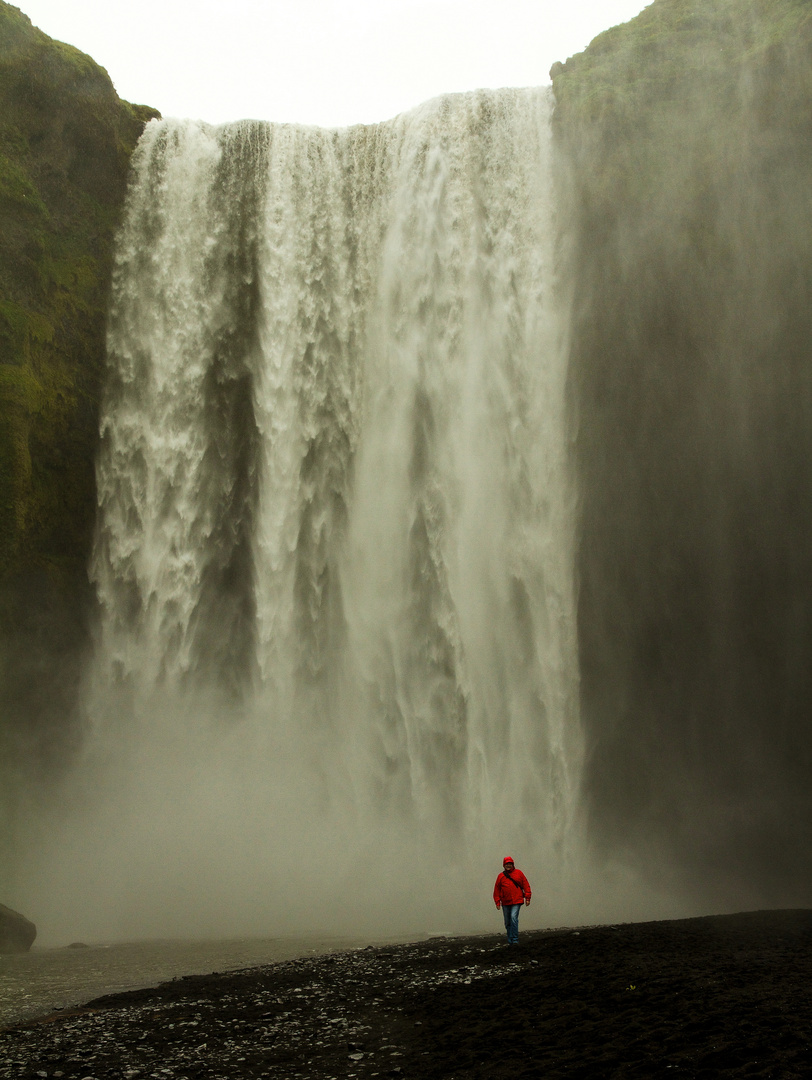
{"points": [[718, 996]]}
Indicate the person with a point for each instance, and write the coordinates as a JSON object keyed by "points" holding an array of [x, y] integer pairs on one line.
{"points": [[512, 889]]}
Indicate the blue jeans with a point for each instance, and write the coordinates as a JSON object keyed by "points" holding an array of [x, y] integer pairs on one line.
{"points": [[511, 913]]}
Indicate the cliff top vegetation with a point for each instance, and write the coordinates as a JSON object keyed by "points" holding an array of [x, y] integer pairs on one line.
{"points": [[674, 42]]}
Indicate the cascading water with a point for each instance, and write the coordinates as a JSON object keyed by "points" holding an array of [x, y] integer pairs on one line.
{"points": [[335, 545]]}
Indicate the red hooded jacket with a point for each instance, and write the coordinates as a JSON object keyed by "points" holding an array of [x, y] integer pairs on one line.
{"points": [[513, 889]]}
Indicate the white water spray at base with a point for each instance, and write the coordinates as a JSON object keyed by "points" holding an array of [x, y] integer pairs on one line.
{"points": [[337, 667]]}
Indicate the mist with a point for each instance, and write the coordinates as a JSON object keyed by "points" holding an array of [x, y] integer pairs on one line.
{"points": [[229, 840]]}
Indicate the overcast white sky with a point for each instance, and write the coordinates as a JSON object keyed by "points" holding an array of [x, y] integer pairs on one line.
{"points": [[328, 62]]}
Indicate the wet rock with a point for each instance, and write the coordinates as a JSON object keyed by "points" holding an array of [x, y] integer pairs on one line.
{"points": [[16, 932]]}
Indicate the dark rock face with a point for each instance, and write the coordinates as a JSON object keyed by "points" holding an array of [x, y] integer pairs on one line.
{"points": [[16, 932], [65, 143], [688, 142]]}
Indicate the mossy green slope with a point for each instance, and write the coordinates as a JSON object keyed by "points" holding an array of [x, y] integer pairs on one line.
{"points": [[65, 144], [687, 135]]}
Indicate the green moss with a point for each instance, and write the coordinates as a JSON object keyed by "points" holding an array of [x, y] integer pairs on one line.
{"points": [[16, 188], [20, 396], [19, 330], [65, 144]]}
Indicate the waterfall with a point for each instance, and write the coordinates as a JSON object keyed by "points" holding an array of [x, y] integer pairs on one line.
{"points": [[335, 540]]}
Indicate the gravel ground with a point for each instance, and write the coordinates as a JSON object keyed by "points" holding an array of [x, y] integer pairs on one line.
{"points": [[719, 996]]}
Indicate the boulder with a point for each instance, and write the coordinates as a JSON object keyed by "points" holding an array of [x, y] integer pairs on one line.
{"points": [[16, 932]]}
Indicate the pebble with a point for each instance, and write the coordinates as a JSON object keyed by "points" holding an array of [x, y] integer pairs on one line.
{"points": [[275, 1030]]}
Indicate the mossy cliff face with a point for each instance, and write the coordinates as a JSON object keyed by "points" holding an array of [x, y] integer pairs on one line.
{"points": [[688, 140], [65, 143]]}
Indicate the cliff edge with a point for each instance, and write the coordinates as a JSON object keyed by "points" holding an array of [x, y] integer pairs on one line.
{"points": [[686, 136], [65, 144]]}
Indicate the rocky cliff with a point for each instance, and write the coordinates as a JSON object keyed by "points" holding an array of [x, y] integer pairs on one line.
{"points": [[17, 934], [65, 143], [688, 138]]}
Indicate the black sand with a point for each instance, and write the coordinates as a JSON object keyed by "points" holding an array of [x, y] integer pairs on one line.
{"points": [[723, 996]]}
